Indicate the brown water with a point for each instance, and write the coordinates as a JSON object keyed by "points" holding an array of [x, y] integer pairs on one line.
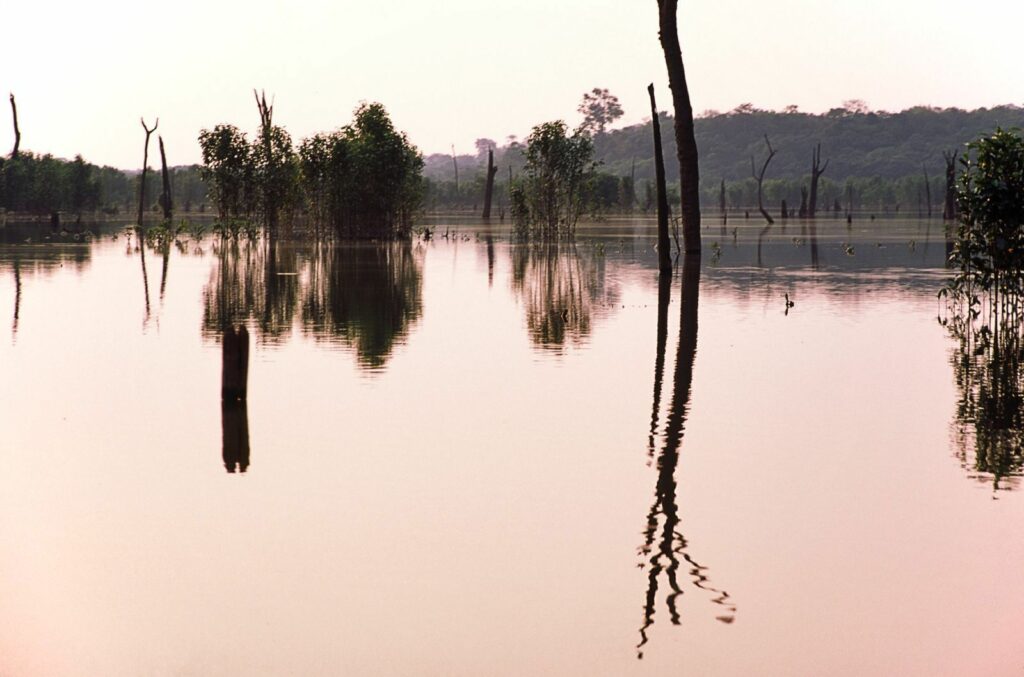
{"points": [[460, 461]]}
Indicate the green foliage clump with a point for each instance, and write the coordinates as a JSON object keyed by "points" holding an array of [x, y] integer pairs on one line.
{"points": [[989, 247], [364, 180], [548, 197]]}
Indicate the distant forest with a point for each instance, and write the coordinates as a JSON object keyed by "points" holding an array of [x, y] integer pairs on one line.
{"points": [[876, 159]]}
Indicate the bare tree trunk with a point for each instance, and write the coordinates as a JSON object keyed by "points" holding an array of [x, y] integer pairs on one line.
{"points": [[145, 162], [817, 169], [759, 177], [489, 188], [927, 191], [270, 205], [721, 202], [949, 210], [165, 198], [455, 163], [235, 366], [664, 258], [686, 143], [17, 132]]}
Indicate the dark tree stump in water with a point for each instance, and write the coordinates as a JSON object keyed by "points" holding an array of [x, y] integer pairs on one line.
{"points": [[235, 373]]}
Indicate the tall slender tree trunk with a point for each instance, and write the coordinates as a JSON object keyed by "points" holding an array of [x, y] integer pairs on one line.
{"points": [[17, 132], [817, 169], [664, 259], [949, 209], [165, 198], [686, 142], [489, 187], [145, 162], [927, 192]]}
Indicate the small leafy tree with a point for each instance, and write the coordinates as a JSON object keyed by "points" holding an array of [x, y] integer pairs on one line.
{"points": [[228, 170], [548, 198], [987, 304], [989, 247], [599, 109]]}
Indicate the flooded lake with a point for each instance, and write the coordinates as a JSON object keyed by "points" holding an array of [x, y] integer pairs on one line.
{"points": [[466, 456]]}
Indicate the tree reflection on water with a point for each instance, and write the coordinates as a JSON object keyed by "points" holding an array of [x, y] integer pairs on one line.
{"points": [[665, 549], [988, 430], [362, 296], [561, 289]]}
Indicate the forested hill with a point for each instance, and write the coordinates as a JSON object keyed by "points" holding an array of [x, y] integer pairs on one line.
{"points": [[862, 144], [856, 142]]}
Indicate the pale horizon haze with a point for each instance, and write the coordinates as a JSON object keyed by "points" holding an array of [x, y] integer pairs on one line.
{"points": [[452, 72]]}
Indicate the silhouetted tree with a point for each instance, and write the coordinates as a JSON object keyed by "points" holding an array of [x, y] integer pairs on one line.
{"points": [[166, 199], [489, 187], [17, 131], [759, 177], [664, 257], [599, 109], [817, 169], [686, 143]]}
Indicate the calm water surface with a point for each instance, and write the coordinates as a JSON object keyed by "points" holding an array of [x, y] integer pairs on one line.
{"points": [[468, 457]]}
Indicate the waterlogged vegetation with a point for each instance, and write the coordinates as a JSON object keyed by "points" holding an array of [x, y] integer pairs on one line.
{"points": [[362, 181], [428, 391], [985, 312]]}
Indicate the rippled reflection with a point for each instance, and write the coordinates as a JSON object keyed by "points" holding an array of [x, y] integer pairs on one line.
{"points": [[365, 297], [665, 547], [561, 288], [988, 369]]}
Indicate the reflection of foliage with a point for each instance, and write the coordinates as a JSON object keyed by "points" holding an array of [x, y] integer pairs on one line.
{"points": [[253, 280], [989, 246], [985, 304], [560, 288], [364, 296], [987, 367]]}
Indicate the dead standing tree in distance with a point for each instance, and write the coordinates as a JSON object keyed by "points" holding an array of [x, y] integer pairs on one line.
{"points": [[817, 169], [17, 132], [927, 191], [165, 197], [759, 177], [489, 187], [664, 259], [145, 162], [270, 205], [949, 210], [686, 142]]}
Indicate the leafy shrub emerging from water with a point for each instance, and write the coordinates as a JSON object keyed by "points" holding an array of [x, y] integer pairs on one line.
{"points": [[989, 246], [548, 198], [987, 306], [362, 181]]}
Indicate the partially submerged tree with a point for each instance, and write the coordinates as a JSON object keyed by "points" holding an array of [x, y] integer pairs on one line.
{"points": [[547, 198], [686, 143], [145, 162], [489, 186], [664, 259], [166, 201], [817, 169], [759, 177], [228, 170], [17, 131], [949, 207]]}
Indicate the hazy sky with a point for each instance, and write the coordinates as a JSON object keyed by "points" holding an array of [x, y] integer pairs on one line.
{"points": [[455, 70]]}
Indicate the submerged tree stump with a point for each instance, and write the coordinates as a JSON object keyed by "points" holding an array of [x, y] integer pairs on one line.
{"points": [[235, 371]]}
